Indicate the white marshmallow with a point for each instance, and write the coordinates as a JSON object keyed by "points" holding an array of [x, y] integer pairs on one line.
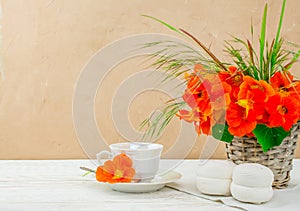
{"points": [[251, 194], [212, 186], [252, 175], [218, 169]]}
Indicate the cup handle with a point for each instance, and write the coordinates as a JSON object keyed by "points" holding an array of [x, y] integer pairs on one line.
{"points": [[100, 156]]}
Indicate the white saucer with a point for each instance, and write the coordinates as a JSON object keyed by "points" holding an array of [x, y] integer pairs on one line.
{"points": [[155, 184]]}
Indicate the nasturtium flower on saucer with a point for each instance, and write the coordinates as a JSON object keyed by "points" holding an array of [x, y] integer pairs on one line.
{"points": [[117, 170]]}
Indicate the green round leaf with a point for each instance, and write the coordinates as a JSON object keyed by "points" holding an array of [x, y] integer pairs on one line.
{"points": [[220, 132]]}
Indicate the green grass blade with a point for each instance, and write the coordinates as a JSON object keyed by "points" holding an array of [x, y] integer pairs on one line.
{"points": [[155, 126], [164, 23], [251, 30], [280, 24], [277, 38], [263, 39], [294, 59], [217, 61]]}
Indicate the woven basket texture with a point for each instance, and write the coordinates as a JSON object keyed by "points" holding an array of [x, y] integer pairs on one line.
{"points": [[279, 159]]}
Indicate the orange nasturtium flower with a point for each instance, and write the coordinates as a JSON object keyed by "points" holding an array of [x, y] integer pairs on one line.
{"points": [[218, 91], [294, 90], [117, 170], [252, 96], [239, 123], [234, 78], [284, 84], [283, 111], [280, 80], [196, 97]]}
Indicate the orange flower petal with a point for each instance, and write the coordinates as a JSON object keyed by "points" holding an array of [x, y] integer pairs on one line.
{"points": [[122, 160], [243, 129], [103, 176], [281, 79], [109, 167], [232, 69], [129, 173], [188, 116], [198, 68]]}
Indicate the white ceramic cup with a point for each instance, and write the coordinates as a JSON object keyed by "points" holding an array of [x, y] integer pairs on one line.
{"points": [[145, 157]]}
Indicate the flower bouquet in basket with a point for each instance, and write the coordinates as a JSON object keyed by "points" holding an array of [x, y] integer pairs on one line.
{"points": [[251, 103]]}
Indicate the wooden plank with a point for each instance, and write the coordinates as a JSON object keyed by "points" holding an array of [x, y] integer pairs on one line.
{"points": [[59, 185]]}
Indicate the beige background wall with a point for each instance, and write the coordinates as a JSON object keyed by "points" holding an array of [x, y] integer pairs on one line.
{"points": [[46, 43]]}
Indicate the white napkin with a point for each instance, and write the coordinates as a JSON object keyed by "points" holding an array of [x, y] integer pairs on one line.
{"points": [[283, 199]]}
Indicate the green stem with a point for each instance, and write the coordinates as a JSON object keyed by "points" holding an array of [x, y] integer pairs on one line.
{"points": [[87, 169]]}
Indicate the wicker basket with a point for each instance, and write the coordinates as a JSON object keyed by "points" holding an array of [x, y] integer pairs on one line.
{"points": [[278, 159]]}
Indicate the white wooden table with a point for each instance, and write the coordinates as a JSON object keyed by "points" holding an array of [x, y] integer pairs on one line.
{"points": [[59, 185]]}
